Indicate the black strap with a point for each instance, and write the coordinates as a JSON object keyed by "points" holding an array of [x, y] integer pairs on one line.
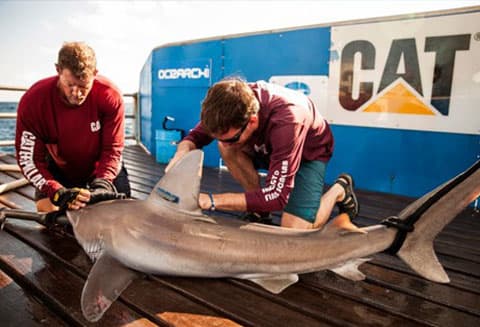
{"points": [[406, 225], [394, 221]]}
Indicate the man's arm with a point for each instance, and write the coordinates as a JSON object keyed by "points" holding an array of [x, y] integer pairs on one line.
{"points": [[31, 151], [113, 136], [223, 201]]}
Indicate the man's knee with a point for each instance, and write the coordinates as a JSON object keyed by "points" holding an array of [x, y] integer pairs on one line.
{"points": [[292, 221]]}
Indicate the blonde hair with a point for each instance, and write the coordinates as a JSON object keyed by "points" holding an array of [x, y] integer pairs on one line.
{"points": [[79, 58]]}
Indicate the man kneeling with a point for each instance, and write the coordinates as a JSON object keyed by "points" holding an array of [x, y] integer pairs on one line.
{"points": [[262, 125]]}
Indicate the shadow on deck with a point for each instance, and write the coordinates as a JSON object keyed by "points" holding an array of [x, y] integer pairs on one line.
{"points": [[42, 274]]}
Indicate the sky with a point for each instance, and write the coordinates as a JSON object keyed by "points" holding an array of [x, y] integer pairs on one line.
{"points": [[123, 33]]}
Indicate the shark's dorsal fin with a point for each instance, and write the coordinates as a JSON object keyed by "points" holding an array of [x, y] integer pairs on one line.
{"points": [[275, 283], [106, 281], [181, 184]]}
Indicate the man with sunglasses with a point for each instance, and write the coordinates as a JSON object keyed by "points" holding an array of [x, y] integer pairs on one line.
{"points": [[70, 134], [262, 125]]}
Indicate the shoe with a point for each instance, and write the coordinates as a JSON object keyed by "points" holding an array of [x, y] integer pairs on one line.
{"points": [[255, 217], [349, 204]]}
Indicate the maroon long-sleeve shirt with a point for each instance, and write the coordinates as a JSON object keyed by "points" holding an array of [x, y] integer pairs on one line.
{"points": [[290, 130], [85, 141]]}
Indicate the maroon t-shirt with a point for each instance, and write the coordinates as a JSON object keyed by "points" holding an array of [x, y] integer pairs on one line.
{"points": [[84, 141], [290, 130]]}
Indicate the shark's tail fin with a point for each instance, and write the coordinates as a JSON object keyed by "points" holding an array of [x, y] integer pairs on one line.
{"points": [[428, 216]]}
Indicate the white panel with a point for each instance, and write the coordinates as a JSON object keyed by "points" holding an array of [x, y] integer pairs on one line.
{"points": [[464, 109], [315, 86]]}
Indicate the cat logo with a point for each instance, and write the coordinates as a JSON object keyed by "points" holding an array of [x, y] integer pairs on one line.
{"points": [[95, 126], [414, 74], [400, 87]]}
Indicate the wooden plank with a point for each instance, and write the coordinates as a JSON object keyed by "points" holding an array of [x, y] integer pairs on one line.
{"points": [[393, 300], [56, 286], [248, 305], [331, 307], [443, 294], [19, 308]]}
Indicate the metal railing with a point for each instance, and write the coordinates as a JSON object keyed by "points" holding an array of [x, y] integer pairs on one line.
{"points": [[13, 115]]}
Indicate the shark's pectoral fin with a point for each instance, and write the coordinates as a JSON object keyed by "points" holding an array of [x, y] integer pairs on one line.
{"points": [[275, 283], [349, 270], [106, 281]]}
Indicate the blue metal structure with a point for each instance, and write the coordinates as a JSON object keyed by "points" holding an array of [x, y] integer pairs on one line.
{"points": [[407, 161]]}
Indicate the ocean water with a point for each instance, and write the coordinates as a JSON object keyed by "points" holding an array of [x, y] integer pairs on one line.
{"points": [[7, 126]]}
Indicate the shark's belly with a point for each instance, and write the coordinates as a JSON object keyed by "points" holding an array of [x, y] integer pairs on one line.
{"points": [[218, 253], [185, 247]]}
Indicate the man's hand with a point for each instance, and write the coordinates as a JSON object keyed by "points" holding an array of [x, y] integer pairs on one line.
{"points": [[102, 190], [204, 201], [102, 185], [71, 198]]}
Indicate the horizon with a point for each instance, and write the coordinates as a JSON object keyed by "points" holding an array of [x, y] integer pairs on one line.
{"points": [[124, 33]]}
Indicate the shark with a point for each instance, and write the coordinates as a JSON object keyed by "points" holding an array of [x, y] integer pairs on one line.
{"points": [[167, 234]]}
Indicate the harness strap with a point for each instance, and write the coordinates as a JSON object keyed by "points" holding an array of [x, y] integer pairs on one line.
{"points": [[394, 221], [403, 229]]}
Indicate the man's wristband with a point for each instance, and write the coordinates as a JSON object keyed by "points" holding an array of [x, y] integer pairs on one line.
{"points": [[212, 203]]}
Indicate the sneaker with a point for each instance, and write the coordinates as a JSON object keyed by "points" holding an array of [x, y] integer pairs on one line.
{"points": [[349, 204]]}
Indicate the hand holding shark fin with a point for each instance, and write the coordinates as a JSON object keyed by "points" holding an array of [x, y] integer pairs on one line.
{"points": [[181, 184]]}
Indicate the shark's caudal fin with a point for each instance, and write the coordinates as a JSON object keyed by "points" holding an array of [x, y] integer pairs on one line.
{"points": [[428, 216], [106, 281], [181, 184]]}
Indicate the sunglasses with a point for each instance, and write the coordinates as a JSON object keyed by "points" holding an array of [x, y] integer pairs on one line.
{"points": [[236, 137]]}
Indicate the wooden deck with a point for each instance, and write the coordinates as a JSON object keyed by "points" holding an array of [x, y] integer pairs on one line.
{"points": [[42, 274]]}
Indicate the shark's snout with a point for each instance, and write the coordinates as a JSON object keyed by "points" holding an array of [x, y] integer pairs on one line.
{"points": [[73, 217]]}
